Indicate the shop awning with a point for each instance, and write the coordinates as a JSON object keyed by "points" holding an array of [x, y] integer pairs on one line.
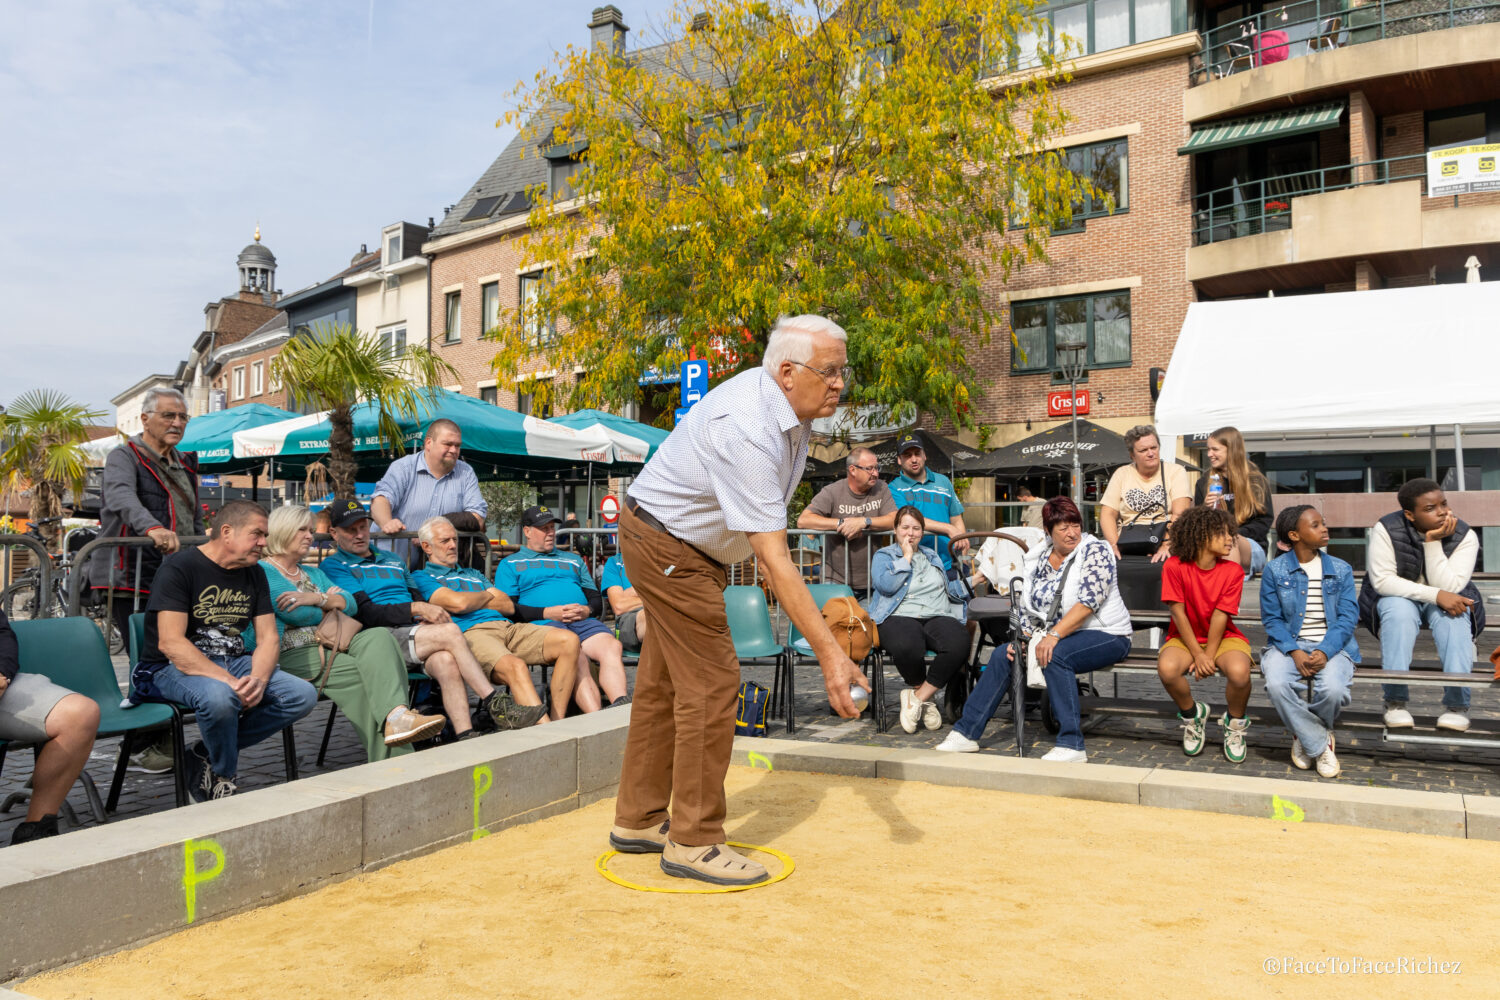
{"points": [[1259, 128], [1397, 357]]}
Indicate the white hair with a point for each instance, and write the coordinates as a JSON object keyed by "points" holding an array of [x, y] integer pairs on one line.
{"points": [[426, 532], [792, 339], [148, 401]]}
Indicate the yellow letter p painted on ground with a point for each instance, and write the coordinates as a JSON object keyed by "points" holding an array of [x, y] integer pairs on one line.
{"points": [[484, 778], [1286, 810], [192, 878]]}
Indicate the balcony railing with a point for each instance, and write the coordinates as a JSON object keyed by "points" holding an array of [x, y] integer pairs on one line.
{"points": [[1308, 26], [1248, 208]]}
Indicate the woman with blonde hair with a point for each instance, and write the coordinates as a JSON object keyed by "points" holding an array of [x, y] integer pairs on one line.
{"points": [[1234, 483], [368, 683]]}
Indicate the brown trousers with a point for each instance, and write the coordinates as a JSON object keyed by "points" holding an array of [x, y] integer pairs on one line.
{"points": [[686, 689]]}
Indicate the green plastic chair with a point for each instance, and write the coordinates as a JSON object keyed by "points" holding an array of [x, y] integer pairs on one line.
{"points": [[71, 653], [181, 715], [799, 651]]}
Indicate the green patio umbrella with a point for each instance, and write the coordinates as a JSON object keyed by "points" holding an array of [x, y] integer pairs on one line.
{"points": [[211, 436]]}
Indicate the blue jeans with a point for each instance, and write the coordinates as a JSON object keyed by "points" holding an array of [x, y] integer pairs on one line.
{"points": [[1400, 620], [1310, 721], [1075, 654], [1257, 558], [225, 726]]}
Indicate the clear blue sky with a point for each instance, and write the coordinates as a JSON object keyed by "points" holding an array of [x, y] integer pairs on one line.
{"points": [[142, 141]]}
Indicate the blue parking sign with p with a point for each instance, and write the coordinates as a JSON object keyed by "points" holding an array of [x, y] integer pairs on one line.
{"points": [[694, 381]]}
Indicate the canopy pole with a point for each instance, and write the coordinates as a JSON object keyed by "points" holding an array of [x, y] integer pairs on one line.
{"points": [[1432, 451], [589, 509], [1458, 454], [255, 487]]}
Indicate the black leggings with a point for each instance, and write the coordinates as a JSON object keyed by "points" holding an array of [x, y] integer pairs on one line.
{"points": [[907, 641]]}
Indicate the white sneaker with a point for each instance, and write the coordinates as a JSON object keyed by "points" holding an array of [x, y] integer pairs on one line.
{"points": [[931, 717], [1453, 719], [1300, 759], [1396, 716], [1067, 755], [957, 742], [911, 710], [1328, 764]]}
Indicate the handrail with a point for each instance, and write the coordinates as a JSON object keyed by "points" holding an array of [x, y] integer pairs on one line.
{"points": [[1330, 24], [44, 564], [1242, 209]]}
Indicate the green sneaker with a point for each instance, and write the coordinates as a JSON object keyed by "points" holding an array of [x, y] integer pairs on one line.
{"points": [[1194, 729], [155, 759], [1234, 738]]}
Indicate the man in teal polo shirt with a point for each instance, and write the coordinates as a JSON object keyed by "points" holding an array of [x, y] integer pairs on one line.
{"points": [[506, 648], [387, 597], [555, 588], [932, 493]]}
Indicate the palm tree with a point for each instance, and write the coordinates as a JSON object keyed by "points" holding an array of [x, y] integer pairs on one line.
{"points": [[335, 367], [39, 442]]}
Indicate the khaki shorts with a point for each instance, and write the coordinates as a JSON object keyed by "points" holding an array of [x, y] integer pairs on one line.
{"points": [[1229, 642], [492, 640], [25, 705]]}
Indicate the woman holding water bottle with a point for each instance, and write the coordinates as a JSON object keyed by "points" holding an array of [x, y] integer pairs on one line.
{"points": [[1234, 483]]}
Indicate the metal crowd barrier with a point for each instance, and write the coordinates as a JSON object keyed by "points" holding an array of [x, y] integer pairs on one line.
{"points": [[43, 561]]}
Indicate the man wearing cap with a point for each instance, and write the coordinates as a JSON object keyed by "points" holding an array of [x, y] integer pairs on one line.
{"points": [[552, 587], [932, 493], [507, 649], [388, 597], [716, 493], [432, 482]]}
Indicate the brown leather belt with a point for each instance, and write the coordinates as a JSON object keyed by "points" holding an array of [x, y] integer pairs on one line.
{"points": [[645, 516]]}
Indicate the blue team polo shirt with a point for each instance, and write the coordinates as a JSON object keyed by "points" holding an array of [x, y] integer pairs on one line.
{"points": [[614, 575], [432, 578], [382, 575], [544, 579], [936, 499]]}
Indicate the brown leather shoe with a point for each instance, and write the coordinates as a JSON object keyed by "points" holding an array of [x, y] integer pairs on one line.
{"points": [[405, 726], [715, 863], [651, 840]]}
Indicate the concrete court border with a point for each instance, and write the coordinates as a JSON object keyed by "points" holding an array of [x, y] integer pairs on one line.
{"points": [[283, 841]]}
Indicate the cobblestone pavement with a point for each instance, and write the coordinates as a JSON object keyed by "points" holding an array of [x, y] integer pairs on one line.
{"points": [[1135, 741]]}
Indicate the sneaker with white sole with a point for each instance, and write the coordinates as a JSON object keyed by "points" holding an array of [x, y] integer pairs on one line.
{"points": [[1454, 720], [1300, 760], [931, 717], [155, 759], [957, 742], [911, 710], [1234, 738], [1396, 716], [1328, 764], [1066, 755], [405, 726], [1194, 729], [716, 863]]}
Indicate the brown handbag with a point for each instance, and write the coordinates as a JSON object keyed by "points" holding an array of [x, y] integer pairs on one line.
{"points": [[333, 635]]}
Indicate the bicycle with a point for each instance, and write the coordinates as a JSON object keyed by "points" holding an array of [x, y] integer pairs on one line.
{"points": [[22, 600]]}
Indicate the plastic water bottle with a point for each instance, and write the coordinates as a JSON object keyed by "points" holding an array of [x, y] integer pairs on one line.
{"points": [[1215, 489]]}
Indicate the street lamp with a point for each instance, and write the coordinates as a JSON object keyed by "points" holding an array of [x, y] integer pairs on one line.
{"points": [[1070, 363]]}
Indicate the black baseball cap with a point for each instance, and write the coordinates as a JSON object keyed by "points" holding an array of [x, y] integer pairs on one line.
{"points": [[907, 443], [537, 517], [343, 513]]}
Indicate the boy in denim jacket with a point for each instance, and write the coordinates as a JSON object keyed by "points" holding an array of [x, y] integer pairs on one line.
{"points": [[1309, 609]]}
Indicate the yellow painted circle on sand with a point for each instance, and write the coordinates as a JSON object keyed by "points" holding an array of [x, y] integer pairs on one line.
{"points": [[602, 866]]}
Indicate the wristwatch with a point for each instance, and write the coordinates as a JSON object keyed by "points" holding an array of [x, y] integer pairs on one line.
{"points": [[1053, 634], [840, 524], [868, 522]]}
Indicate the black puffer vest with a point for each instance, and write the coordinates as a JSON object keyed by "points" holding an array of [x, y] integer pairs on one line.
{"points": [[1410, 564]]}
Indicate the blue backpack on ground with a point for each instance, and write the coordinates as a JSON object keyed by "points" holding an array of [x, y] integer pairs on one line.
{"points": [[750, 720]]}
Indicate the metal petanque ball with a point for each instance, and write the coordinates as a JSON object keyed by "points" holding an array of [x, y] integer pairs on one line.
{"points": [[859, 696]]}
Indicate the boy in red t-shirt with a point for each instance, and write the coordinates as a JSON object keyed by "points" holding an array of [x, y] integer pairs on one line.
{"points": [[1201, 584]]}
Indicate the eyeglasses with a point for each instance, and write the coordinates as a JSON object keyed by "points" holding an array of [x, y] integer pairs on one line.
{"points": [[866, 468], [172, 417], [844, 373]]}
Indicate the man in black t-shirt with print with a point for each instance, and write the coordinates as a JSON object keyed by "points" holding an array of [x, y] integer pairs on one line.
{"points": [[203, 602]]}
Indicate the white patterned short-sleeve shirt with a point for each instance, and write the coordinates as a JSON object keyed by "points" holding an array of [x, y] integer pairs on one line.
{"points": [[730, 467]]}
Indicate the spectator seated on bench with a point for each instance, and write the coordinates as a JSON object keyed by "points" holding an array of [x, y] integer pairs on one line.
{"points": [[917, 607], [1072, 593], [203, 602], [1201, 585], [368, 682], [555, 588], [1419, 572], [631, 623], [34, 710], [502, 647], [1308, 608]]}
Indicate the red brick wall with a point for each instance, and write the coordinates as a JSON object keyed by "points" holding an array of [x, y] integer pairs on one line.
{"points": [[225, 380]]}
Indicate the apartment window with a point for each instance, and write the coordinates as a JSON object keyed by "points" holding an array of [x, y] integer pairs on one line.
{"points": [[1105, 164], [237, 380], [394, 339], [489, 394], [539, 332], [537, 400], [257, 378], [1101, 321], [1471, 125], [275, 381], [452, 306], [1095, 26], [562, 178], [489, 307], [392, 249]]}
